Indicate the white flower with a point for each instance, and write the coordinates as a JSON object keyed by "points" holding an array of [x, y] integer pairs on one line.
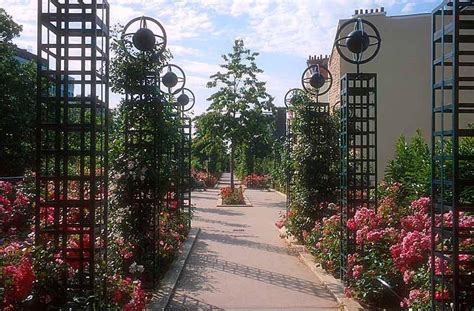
{"points": [[134, 268]]}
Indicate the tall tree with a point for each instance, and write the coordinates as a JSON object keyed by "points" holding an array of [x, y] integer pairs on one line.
{"points": [[17, 103], [240, 96]]}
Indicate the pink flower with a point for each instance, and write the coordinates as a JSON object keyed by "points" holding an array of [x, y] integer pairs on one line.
{"points": [[351, 225], [347, 292], [375, 235], [305, 235], [411, 250], [407, 276], [6, 186], [421, 205], [357, 271]]}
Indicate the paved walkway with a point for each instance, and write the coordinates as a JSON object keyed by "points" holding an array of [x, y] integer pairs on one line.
{"points": [[240, 263]]}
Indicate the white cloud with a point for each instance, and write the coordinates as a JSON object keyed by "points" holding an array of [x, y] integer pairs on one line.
{"points": [[180, 50], [408, 8], [296, 28]]}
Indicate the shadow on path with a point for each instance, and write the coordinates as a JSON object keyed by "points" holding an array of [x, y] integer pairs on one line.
{"points": [[186, 302], [227, 239], [219, 211], [265, 276], [220, 222]]}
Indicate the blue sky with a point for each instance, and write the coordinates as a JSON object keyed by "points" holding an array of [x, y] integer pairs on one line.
{"points": [[285, 32]]}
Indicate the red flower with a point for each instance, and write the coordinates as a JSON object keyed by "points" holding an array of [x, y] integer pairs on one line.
{"points": [[21, 278], [442, 296]]}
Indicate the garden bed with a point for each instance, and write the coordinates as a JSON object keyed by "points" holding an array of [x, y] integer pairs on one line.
{"points": [[235, 198]]}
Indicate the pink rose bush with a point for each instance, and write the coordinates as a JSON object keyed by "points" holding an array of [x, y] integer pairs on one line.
{"points": [[392, 245]]}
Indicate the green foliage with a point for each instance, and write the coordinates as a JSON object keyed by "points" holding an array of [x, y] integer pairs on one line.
{"points": [[280, 166], [411, 166], [17, 103], [315, 159], [241, 100], [8, 28], [208, 149]]}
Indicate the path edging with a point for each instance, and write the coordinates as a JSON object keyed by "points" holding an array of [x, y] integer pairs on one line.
{"points": [[162, 297], [279, 192], [333, 285]]}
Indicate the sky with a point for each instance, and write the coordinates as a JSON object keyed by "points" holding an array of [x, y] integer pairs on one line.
{"points": [[284, 32]]}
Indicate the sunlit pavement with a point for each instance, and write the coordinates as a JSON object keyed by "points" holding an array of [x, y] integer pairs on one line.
{"points": [[239, 261]]}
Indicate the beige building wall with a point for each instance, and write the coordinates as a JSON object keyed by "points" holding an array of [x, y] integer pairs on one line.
{"points": [[403, 79]]}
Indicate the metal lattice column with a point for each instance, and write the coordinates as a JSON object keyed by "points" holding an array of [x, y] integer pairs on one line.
{"points": [[143, 147], [358, 141], [289, 168], [452, 174], [71, 138], [185, 166]]}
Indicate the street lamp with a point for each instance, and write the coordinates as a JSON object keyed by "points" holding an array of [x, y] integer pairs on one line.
{"points": [[357, 42]]}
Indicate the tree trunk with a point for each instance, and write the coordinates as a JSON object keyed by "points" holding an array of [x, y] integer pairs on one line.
{"points": [[232, 186]]}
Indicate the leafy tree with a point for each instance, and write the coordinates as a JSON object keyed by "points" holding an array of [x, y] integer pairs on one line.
{"points": [[17, 103], [240, 98], [411, 166]]}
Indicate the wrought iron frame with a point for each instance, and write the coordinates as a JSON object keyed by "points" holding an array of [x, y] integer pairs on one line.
{"points": [[71, 194], [358, 139], [184, 164], [141, 136], [452, 109], [289, 145]]}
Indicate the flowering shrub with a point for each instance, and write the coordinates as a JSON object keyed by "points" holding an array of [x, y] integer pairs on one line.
{"points": [[16, 275], [324, 244], [255, 181], [232, 197], [209, 179], [16, 213], [125, 294]]}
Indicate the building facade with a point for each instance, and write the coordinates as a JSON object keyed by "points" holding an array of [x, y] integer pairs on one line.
{"points": [[24, 56], [403, 78]]}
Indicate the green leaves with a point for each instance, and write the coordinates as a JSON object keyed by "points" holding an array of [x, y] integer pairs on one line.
{"points": [[411, 165], [17, 103]]}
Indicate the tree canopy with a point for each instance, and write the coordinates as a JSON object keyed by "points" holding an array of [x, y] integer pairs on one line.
{"points": [[17, 103], [241, 100]]}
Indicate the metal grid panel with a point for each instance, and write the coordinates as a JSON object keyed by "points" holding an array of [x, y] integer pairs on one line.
{"points": [[452, 177], [71, 138], [358, 141]]}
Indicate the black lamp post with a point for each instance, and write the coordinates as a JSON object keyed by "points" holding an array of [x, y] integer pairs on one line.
{"points": [[145, 38], [357, 42]]}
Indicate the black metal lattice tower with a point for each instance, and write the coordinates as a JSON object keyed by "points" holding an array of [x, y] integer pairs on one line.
{"points": [[143, 147], [289, 151], [185, 182], [452, 181], [72, 138], [358, 139]]}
